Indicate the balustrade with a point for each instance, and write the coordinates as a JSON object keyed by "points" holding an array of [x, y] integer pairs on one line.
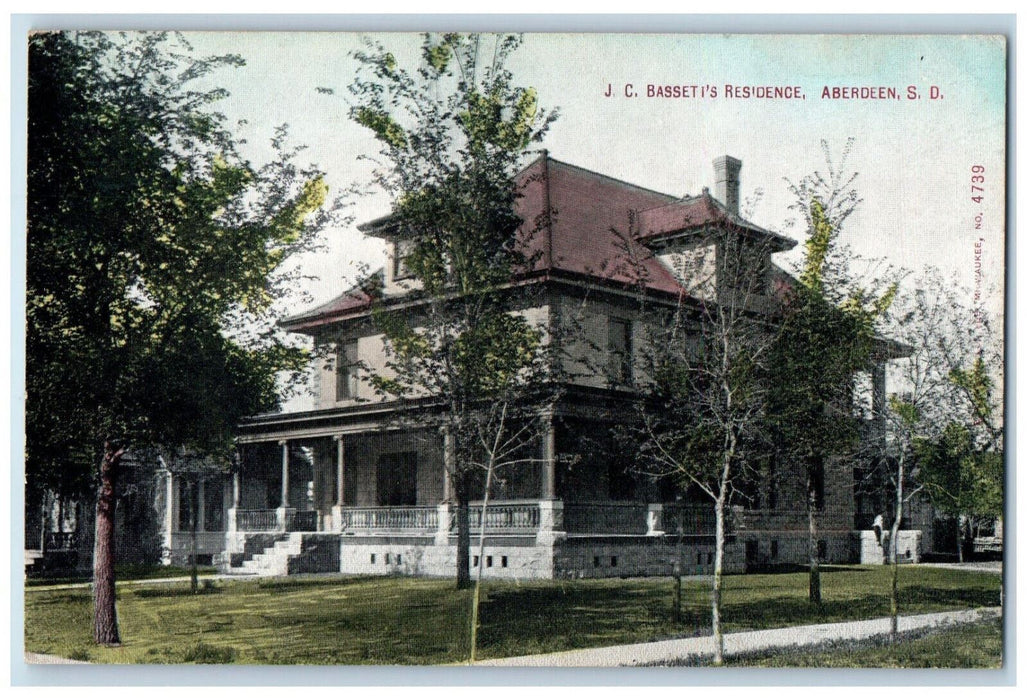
{"points": [[256, 520], [606, 518]]}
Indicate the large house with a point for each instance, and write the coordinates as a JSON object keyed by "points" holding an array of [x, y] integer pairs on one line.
{"points": [[349, 487]]}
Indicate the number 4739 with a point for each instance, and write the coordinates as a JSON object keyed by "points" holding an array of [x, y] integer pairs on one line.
{"points": [[977, 183]]}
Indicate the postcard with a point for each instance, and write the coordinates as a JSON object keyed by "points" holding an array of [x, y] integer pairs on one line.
{"points": [[534, 350]]}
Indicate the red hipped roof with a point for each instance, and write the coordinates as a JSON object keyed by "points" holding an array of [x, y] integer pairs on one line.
{"points": [[590, 233]]}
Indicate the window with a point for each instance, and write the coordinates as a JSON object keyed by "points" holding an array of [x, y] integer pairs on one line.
{"points": [[346, 371], [619, 345], [401, 251]]}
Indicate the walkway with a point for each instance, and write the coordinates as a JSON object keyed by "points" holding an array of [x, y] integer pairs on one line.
{"points": [[676, 650]]}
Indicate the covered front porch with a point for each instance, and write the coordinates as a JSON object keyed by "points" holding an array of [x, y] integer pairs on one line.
{"points": [[395, 482]]}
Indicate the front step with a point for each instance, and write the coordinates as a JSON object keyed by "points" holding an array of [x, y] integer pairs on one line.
{"points": [[287, 553], [265, 554]]}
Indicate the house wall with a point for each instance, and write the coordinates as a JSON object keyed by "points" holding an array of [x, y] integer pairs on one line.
{"points": [[362, 458], [372, 354]]}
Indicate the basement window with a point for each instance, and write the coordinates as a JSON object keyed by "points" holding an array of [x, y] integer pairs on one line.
{"points": [[502, 562], [488, 562], [613, 561], [373, 558]]}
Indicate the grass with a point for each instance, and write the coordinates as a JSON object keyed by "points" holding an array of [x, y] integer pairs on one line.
{"points": [[362, 620], [976, 645], [123, 572]]}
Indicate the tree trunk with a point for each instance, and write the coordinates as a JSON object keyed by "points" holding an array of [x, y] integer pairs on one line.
{"points": [[676, 611], [894, 553], [679, 567], [718, 570], [814, 554], [194, 584], [105, 616], [481, 566], [463, 540]]}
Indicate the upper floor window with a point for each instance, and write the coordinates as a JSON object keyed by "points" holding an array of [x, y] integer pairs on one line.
{"points": [[400, 259], [346, 371], [619, 346]]}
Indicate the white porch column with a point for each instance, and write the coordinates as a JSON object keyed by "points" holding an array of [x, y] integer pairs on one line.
{"points": [[230, 515], [201, 511], [549, 460], [283, 512], [285, 473], [442, 529], [550, 525], [449, 464], [169, 518], [340, 484]]}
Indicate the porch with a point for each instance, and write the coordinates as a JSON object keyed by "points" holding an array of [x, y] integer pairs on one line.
{"points": [[517, 517]]}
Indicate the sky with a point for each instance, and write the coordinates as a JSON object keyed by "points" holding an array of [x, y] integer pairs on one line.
{"points": [[915, 157]]}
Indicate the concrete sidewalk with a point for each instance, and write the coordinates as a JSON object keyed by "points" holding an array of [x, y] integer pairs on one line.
{"points": [[673, 650]]}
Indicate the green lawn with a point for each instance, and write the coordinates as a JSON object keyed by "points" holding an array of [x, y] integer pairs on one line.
{"points": [[361, 620], [977, 645]]}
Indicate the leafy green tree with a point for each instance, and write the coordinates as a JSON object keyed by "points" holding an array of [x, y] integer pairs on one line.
{"points": [[152, 246], [944, 434], [826, 337], [453, 134], [702, 386], [950, 377]]}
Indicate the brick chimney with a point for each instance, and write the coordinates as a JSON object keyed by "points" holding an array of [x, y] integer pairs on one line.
{"points": [[725, 170]]}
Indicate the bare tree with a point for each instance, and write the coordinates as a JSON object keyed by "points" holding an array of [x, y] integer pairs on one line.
{"points": [[702, 389]]}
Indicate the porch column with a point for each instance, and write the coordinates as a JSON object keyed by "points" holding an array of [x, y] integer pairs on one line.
{"points": [[340, 471], [233, 508], [449, 464], [340, 484], [201, 500], [285, 473], [169, 518], [284, 511], [549, 460]]}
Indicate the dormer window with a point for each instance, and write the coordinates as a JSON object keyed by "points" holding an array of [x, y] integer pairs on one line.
{"points": [[401, 251]]}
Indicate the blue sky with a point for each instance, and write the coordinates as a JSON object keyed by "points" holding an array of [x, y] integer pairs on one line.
{"points": [[914, 156]]}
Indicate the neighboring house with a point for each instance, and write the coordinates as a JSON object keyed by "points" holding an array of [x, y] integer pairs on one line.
{"points": [[350, 487]]}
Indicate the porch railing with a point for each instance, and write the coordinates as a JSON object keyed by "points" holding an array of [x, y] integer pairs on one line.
{"points": [[606, 518], [688, 519], [301, 521], [60, 541], [256, 520], [391, 518], [502, 517]]}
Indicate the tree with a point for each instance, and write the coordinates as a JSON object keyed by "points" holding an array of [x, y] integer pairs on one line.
{"points": [[152, 245], [826, 338], [702, 391], [453, 134], [945, 407], [948, 377]]}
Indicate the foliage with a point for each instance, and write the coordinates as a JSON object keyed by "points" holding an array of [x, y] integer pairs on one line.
{"points": [[948, 420], [152, 249], [453, 134]]}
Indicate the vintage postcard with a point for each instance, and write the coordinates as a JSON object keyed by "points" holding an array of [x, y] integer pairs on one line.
{"points": [[536, 350]]}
